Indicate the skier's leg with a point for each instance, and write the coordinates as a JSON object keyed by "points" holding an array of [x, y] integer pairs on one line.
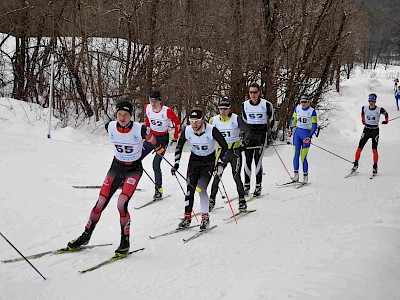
{"points": [[130, 184], [258, 157], [361, 144], [236, 165], [109, 187], [303, 155], [192, 177], [204, 201], [249, 153], [296, 148], [163, 140], [375, 141]]}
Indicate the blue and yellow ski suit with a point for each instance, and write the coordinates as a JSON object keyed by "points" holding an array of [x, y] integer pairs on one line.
{"points": [[304, 123]]}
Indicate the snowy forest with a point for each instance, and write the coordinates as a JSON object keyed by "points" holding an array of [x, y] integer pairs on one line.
{"points": [[194, 52], [66, 64]]}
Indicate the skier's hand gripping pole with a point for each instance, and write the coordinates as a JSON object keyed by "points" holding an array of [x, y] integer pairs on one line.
{"points": [[176, 171]]}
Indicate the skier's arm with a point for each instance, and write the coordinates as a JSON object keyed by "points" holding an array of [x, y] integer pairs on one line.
{"points": [[177, 123], [149, 137], [222, 143], [146, 119], [106, 125], [244, 116], [314, 122], [243, 127], [293, 119], [362, 115], [384, 112], [271, 115], [179, 149]]}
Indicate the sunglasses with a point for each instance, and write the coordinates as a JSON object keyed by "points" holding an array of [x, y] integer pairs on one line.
{"points": [[253, 92], [154, 99], [194, 121], [303, 101]]}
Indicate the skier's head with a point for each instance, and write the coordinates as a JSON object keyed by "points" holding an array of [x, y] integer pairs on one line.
{"points": [[155, 100], [254, 91], [124, 112], [196, 118], [224, 103], [125, 106], [224, 106], [304, 100], [155, 96], [372, 97]]}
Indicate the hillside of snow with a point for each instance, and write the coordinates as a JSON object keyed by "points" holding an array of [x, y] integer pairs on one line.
{"points": [[334, 239]]}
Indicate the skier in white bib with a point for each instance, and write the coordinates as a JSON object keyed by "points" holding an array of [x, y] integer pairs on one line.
{"points": [[257, 113], [230, 125], [127, 137], [203, 138], [370, 115], [158, 118]]}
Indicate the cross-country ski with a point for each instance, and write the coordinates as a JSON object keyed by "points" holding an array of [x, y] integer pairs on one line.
{"points": [[110, 261], [153, 201], [54, 252], [198, 234]]}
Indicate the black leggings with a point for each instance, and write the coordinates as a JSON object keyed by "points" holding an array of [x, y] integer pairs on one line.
{"points": [[255, 149], [199, 172], [369, 133]]}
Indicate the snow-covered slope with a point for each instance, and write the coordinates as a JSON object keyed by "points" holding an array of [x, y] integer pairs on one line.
{"points": [[334, 239]]}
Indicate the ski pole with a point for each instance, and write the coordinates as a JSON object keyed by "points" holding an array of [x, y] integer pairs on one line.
{"points": [[183, 191], [332, 153], [282, 161], [394, 118], [196, 189], [222, 195], [229, 201], [23, 256], [152, 180]]}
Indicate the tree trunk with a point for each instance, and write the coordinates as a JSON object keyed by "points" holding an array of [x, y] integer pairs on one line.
{"points": [[329, 59]]}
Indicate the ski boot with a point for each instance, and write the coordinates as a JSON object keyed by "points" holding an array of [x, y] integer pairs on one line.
{"points": [[205, 222], [186, 221], [211, 204], [305, 178], [123, 248], [375, 169], [355, 166], [242, 205], [257, 191], [246, 188], [157, 194], [80, 241], [295, 178]]}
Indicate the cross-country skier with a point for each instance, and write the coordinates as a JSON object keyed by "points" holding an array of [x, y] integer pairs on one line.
{"points": [[303, 125], [230, 125], [397, 96], [257, 113], [370, 115], [158, 117], [396, 82], [202, 137], [127, 137]]}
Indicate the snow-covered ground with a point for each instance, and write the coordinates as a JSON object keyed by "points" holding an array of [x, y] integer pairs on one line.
{"points": [[335, 239]]}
